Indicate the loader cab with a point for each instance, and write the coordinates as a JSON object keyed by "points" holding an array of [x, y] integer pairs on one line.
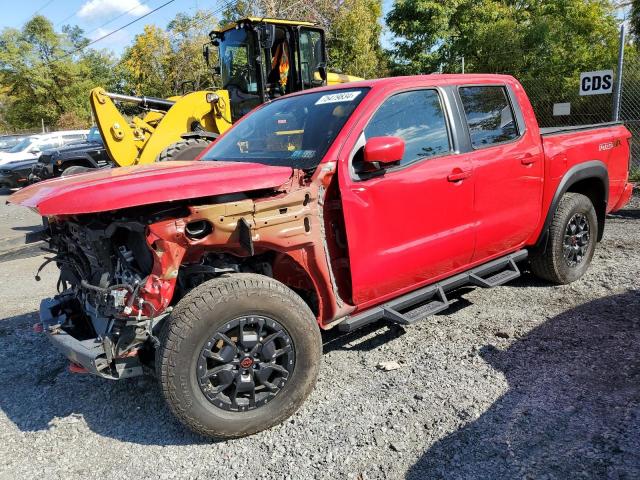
{"points": [[262, 59]]}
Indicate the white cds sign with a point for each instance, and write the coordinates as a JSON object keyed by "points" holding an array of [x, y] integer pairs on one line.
{"points": [[596, 83]]}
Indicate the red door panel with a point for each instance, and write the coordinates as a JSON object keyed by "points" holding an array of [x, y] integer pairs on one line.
{"points": [[509, 181], [408, 226]]}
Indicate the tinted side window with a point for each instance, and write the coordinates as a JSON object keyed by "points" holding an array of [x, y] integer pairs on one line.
{"points": [[418, 118], [489, 115]]}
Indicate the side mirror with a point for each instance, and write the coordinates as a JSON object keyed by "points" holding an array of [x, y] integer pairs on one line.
{"points": [[206, 53], [322, 71], [35, 150], [381, 151], [267, 34]]}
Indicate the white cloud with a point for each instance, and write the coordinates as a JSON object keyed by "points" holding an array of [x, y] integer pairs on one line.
{"points": [[94, 9], [120, 37]]}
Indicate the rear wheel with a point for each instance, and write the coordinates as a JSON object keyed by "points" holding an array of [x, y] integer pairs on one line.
{"points": [[572, 241], [187, 149], [239, 354]]}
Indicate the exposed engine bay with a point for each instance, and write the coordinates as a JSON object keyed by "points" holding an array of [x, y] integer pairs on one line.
{"points": [[103, 268]]}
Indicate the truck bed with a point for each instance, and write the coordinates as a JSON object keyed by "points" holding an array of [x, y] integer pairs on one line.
{"points": [[566, 147], [576, 128]]}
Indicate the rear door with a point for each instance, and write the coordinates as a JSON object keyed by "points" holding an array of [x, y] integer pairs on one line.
{"points": [[412, 222], [508, 168]]}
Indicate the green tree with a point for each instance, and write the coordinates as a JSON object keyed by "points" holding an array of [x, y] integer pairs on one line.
{"points": [[523, 38], [186, 63], [634, 18], [354, 41], [44, 75], [144, 66], [160, 61]]}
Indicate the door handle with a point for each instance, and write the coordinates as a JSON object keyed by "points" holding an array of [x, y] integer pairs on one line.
{"points": [[528, 159], [458, 175]]}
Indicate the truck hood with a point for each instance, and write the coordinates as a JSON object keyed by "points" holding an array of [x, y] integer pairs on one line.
{"points": [[124, 187]]}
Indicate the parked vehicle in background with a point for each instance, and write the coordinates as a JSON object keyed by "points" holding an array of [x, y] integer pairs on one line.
{"points": [[338, 206], [8, 141], [71, 158], [15, 174], [31, 147]]}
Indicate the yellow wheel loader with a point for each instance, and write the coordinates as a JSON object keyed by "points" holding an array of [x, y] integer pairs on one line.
{"points": [[259, 59]]}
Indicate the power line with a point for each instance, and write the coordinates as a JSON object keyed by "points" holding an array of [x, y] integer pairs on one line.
{"points": [[115, 31], [45, 5], [42, 7], [118, 17]]}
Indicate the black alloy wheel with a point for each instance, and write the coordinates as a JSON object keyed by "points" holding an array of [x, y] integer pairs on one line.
{"points": [[576, 239], [246, 363]]}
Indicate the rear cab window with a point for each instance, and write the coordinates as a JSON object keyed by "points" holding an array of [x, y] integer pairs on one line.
{"points": [[489, 114], [416, 116]]}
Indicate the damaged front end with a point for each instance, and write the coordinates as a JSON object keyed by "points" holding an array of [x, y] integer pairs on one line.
{"points": [[106, 315], [122, 271]]}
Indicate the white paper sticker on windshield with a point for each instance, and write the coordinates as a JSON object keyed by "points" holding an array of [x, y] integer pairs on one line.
{"points": [[337, 97]]}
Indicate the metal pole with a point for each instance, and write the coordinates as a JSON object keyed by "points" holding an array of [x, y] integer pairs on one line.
{"points": [[618, 91], [42, 122], [463, 64]]}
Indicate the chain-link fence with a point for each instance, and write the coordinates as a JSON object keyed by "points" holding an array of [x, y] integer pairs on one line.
{"points": [[630, 108], [559, 104]]}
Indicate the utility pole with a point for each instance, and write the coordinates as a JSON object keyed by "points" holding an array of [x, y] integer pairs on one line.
{"points": [[618, 90]]}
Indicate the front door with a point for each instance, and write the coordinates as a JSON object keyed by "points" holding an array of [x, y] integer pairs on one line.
{"points": [[414, 222]]}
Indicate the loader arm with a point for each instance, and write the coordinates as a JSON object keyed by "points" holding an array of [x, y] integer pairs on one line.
{"points": [[141, 140]]}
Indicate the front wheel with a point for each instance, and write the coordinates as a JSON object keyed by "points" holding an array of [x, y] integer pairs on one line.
{"points": [[187, 149], [239, 354], [572, 241]]}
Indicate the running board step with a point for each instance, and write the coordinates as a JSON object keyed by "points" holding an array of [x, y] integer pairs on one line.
{"points": [[500, 278], [432, 299]]}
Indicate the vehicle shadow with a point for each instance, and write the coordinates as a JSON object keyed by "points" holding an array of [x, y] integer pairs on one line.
{"points": [[632, 213], [572, 409], [38, 393]]}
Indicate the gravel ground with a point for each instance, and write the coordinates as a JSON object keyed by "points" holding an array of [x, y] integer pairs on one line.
{"points": [[522, 381]]}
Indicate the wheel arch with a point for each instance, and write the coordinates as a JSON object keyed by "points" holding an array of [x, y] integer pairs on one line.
{"points": [[590, 179], [81, 161]]}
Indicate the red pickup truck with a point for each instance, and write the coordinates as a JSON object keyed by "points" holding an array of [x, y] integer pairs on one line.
{"points": [[338, 206]]}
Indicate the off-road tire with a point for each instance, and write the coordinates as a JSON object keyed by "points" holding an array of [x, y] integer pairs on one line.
{"points": [[187, 149], [550, 264], [204, 311], [75, 169]]}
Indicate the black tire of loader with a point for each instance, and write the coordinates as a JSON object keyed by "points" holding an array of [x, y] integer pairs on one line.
{"points": [[202, 312], [187, 149]]}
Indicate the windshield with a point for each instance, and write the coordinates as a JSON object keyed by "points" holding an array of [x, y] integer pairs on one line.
{"points": [[237, 47], [22, 145], [293, 131], [94, 135], [237, 52]]}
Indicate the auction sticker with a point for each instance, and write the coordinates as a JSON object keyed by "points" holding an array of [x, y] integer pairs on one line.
{"points": [[337, 97]]}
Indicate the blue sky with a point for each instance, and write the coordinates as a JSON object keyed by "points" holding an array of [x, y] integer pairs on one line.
{"points": [[98, 17]]}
